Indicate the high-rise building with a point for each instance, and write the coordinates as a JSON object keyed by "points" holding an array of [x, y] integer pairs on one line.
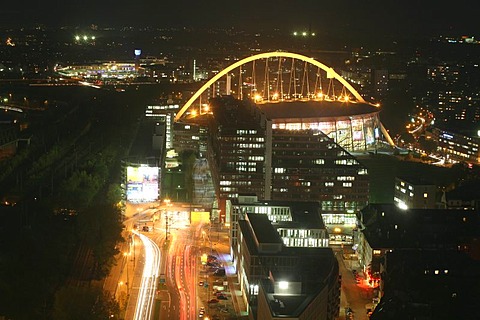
{"points": [[250, 154]]}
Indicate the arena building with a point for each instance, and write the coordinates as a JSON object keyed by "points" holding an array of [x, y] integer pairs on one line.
{"points": [[355, 126]]}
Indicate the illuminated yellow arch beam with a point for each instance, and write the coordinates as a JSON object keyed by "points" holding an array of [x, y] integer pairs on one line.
{"points": [[330, 74]]}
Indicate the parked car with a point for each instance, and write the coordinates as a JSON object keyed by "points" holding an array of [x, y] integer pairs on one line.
{"points": [[213, 301]]}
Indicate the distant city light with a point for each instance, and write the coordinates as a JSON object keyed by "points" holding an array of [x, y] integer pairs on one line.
{"points": [[84, 37], [304, 33], [9, 42]]}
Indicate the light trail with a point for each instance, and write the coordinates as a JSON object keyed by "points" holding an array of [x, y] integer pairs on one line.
{"points": [[146, 295]]}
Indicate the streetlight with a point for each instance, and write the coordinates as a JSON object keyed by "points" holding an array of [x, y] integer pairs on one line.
{"points": [[126, 254]]}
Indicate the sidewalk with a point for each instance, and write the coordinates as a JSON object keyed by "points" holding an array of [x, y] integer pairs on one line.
{"points": [[223, 251]]}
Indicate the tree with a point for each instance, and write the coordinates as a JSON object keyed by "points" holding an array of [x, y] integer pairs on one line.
{"points": [[79, 303], [101, 228]]}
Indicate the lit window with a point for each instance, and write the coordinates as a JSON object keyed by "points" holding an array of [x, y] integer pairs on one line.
{"points": [[362, 171], [425, 195], [283, 285]]}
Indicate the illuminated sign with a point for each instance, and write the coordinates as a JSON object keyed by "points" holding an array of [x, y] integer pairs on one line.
{"points": [[142, 184], [138, 52], [447, 136], [357, 135]]}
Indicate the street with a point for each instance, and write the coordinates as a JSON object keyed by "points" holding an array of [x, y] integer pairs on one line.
{"points": [[355, 296]]}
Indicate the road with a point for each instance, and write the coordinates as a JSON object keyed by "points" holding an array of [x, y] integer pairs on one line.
{"points": [[161, 267], [181, 267], [146, 296], [354, 295]]}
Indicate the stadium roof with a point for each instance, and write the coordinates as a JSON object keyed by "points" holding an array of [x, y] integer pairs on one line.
{"points": [[315, 109]]}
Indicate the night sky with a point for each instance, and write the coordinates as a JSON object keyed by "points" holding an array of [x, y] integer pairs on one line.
{"points": [[363, 17]]}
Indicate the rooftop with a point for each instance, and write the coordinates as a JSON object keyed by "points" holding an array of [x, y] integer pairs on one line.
{"points": [[315, 109], [263, 229], [429, 283], [305, 214], [234, 113], [387, 226]]}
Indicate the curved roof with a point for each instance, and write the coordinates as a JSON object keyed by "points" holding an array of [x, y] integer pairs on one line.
{"points": [[316, 109]]}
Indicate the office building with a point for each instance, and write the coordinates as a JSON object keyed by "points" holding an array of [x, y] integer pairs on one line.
{"points": [[251, 154], [284, 282]]}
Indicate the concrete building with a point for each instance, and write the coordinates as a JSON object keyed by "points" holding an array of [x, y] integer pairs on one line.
{"points": [[464, 197], [284, 282], [298, 223], [385, 228], [414, 193], [429, 284]]}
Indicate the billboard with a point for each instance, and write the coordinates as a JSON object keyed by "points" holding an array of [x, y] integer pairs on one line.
{"points": [[142, 184]]}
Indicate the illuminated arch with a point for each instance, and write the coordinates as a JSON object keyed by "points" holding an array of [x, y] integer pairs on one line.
{"points": [[330, 74]]}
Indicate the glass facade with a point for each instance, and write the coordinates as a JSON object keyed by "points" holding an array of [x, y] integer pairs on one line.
{"points": [[356, 133]]}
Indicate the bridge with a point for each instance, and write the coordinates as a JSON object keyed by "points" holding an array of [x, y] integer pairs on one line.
{"points": [[276, 77]]}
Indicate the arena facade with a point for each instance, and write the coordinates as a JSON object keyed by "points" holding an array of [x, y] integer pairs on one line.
{"points": [[355, 126]]}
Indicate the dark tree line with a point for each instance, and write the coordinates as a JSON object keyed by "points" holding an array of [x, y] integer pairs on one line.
{"points": [[65, 187]]}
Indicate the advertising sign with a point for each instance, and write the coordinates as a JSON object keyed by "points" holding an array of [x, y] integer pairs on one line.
{"points": [[142, 184]]}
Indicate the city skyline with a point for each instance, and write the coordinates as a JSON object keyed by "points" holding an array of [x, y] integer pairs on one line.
{"points": [[369, 19], [218, 160]]}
